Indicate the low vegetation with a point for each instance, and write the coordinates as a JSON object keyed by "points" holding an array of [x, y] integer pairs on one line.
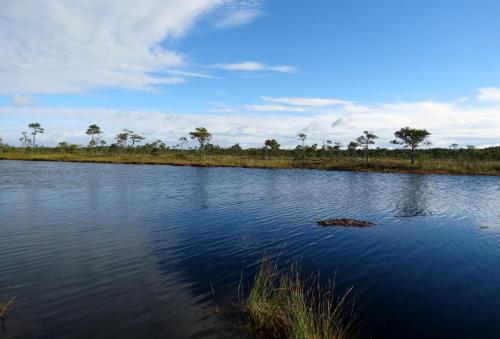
{"points": [[190, 158], [360, 155], [287, 306]]}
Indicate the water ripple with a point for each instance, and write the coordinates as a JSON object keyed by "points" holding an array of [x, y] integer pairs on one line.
{"points": [[93, 250]]}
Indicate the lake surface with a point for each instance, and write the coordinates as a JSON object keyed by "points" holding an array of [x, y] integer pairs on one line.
{"points": [[100, 251]]}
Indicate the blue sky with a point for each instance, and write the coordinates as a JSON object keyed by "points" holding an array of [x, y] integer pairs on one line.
{"points": [[251, 70]]}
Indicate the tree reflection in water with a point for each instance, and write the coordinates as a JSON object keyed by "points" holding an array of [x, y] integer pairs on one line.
{"points": [[413, 199]]}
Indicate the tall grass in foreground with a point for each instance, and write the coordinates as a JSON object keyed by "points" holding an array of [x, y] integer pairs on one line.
{"points": [[287, 306]]}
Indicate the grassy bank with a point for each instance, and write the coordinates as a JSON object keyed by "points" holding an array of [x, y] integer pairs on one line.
{"points": [[287, 306], [471, 167]]}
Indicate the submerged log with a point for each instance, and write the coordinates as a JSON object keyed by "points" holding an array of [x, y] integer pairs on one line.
{"points": [[346, 223]]}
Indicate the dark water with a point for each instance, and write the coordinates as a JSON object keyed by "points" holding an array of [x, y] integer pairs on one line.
{"points": [[100, 251]]}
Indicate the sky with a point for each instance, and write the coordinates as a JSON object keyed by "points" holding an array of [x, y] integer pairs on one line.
{"points": [[250, 70]]}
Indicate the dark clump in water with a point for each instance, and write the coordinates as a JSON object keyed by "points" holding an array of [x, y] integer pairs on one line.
{"points": [[346, 223]]}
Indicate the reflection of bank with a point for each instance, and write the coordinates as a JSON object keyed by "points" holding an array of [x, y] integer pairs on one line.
{"points": [[271, 184], [201, 182], [363, 192], [413, 199]]}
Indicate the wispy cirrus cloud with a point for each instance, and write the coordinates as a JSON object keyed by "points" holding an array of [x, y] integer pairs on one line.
{"points": [[221, 108], [239, 13], [275, 108], [489, 94], [65, 47], [291, 104], [23, 100], [254, 66], [311, 102]]}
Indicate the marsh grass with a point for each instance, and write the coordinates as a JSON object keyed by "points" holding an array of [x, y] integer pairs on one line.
{"points": [[476, 167], [4, 309], [285, 305]]}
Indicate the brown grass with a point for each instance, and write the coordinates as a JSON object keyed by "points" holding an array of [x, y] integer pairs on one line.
{"points": [[473, 167]]}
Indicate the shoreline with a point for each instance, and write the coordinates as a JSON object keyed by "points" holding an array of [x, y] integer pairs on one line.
{"points": [[376, 166]]}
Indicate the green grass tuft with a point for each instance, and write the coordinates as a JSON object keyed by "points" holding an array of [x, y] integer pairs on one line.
{"points": [[4, 309], [5, 306], [287, 306]]}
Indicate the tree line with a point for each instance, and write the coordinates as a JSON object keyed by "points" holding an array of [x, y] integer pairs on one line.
{"points": [[409, 140]]}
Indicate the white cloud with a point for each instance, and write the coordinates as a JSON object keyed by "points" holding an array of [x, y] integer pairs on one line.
{"points": [[221, 108], [57, 46], [239, 13], [489, 94], [313, 102], [187, 74], [254, 66], [449, 122], [289, 104], [70, 125], [23, 100], [275, 108]]}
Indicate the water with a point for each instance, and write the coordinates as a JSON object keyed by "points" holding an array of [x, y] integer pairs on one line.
{"points": [[99, 251]]}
